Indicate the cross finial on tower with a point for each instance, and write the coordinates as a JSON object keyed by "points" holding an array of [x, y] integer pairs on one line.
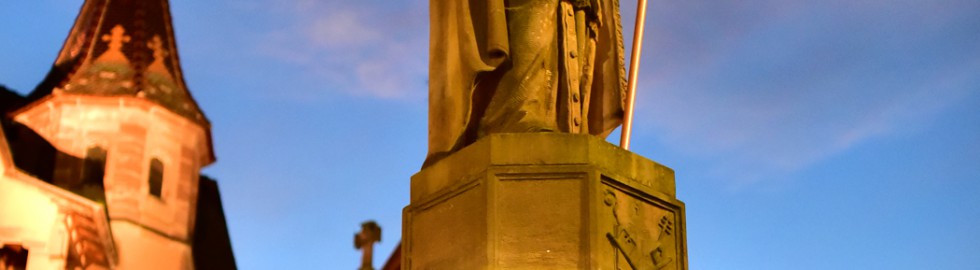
{"points": [[159, 53], [116, 38], [364, 240]]}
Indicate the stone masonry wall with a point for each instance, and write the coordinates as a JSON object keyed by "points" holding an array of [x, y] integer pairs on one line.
{"points": [[133, 131]]}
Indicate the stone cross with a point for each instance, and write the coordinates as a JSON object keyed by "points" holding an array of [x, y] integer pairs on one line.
{"points": [[364, 240]]}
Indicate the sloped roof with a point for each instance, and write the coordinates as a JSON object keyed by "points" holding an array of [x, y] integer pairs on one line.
{"points": [[212, 244], [122, 47]]}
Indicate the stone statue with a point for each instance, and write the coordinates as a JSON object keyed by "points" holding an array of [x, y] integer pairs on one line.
{"points": [[501, 66]]}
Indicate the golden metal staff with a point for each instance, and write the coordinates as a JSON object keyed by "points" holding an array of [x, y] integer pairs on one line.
{"points": [[641, 13]]}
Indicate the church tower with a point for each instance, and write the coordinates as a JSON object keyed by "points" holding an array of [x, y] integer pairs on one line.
{"points": [[127, 130]]}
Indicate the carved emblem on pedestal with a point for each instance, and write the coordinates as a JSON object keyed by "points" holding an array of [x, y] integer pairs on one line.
{"points": [[640, 244]]}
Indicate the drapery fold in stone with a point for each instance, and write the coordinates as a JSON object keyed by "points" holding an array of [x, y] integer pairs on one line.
{"points": [[522, 66]]}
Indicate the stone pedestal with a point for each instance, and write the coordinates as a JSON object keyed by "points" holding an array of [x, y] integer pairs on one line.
{"points": [[544, 201]]}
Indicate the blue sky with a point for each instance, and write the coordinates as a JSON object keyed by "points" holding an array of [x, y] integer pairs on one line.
{"points": [[804, 134]]}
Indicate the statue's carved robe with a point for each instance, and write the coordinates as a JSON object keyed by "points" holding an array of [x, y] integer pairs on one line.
{"points": [[522, 66]]}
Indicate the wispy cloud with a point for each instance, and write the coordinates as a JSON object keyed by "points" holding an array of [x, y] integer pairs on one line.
{"points": [[760, 88], [768, 88], [374, 49]]}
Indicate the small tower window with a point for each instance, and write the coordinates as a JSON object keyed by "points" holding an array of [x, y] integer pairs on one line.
{"points": [[13, 257], [93, 172], [156, 177], [83, 176]]}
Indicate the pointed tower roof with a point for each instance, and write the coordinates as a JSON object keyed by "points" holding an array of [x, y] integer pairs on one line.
{"points": [[122, 48]]}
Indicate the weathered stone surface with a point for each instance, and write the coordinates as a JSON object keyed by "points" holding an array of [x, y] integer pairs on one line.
{"points": [[544, 201], [500, 66], [111, 138], [133, 131]]}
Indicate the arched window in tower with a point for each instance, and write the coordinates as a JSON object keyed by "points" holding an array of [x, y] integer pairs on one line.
{"points": [[13, 257], [93, 174], [156, 177], [82, 175]]}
